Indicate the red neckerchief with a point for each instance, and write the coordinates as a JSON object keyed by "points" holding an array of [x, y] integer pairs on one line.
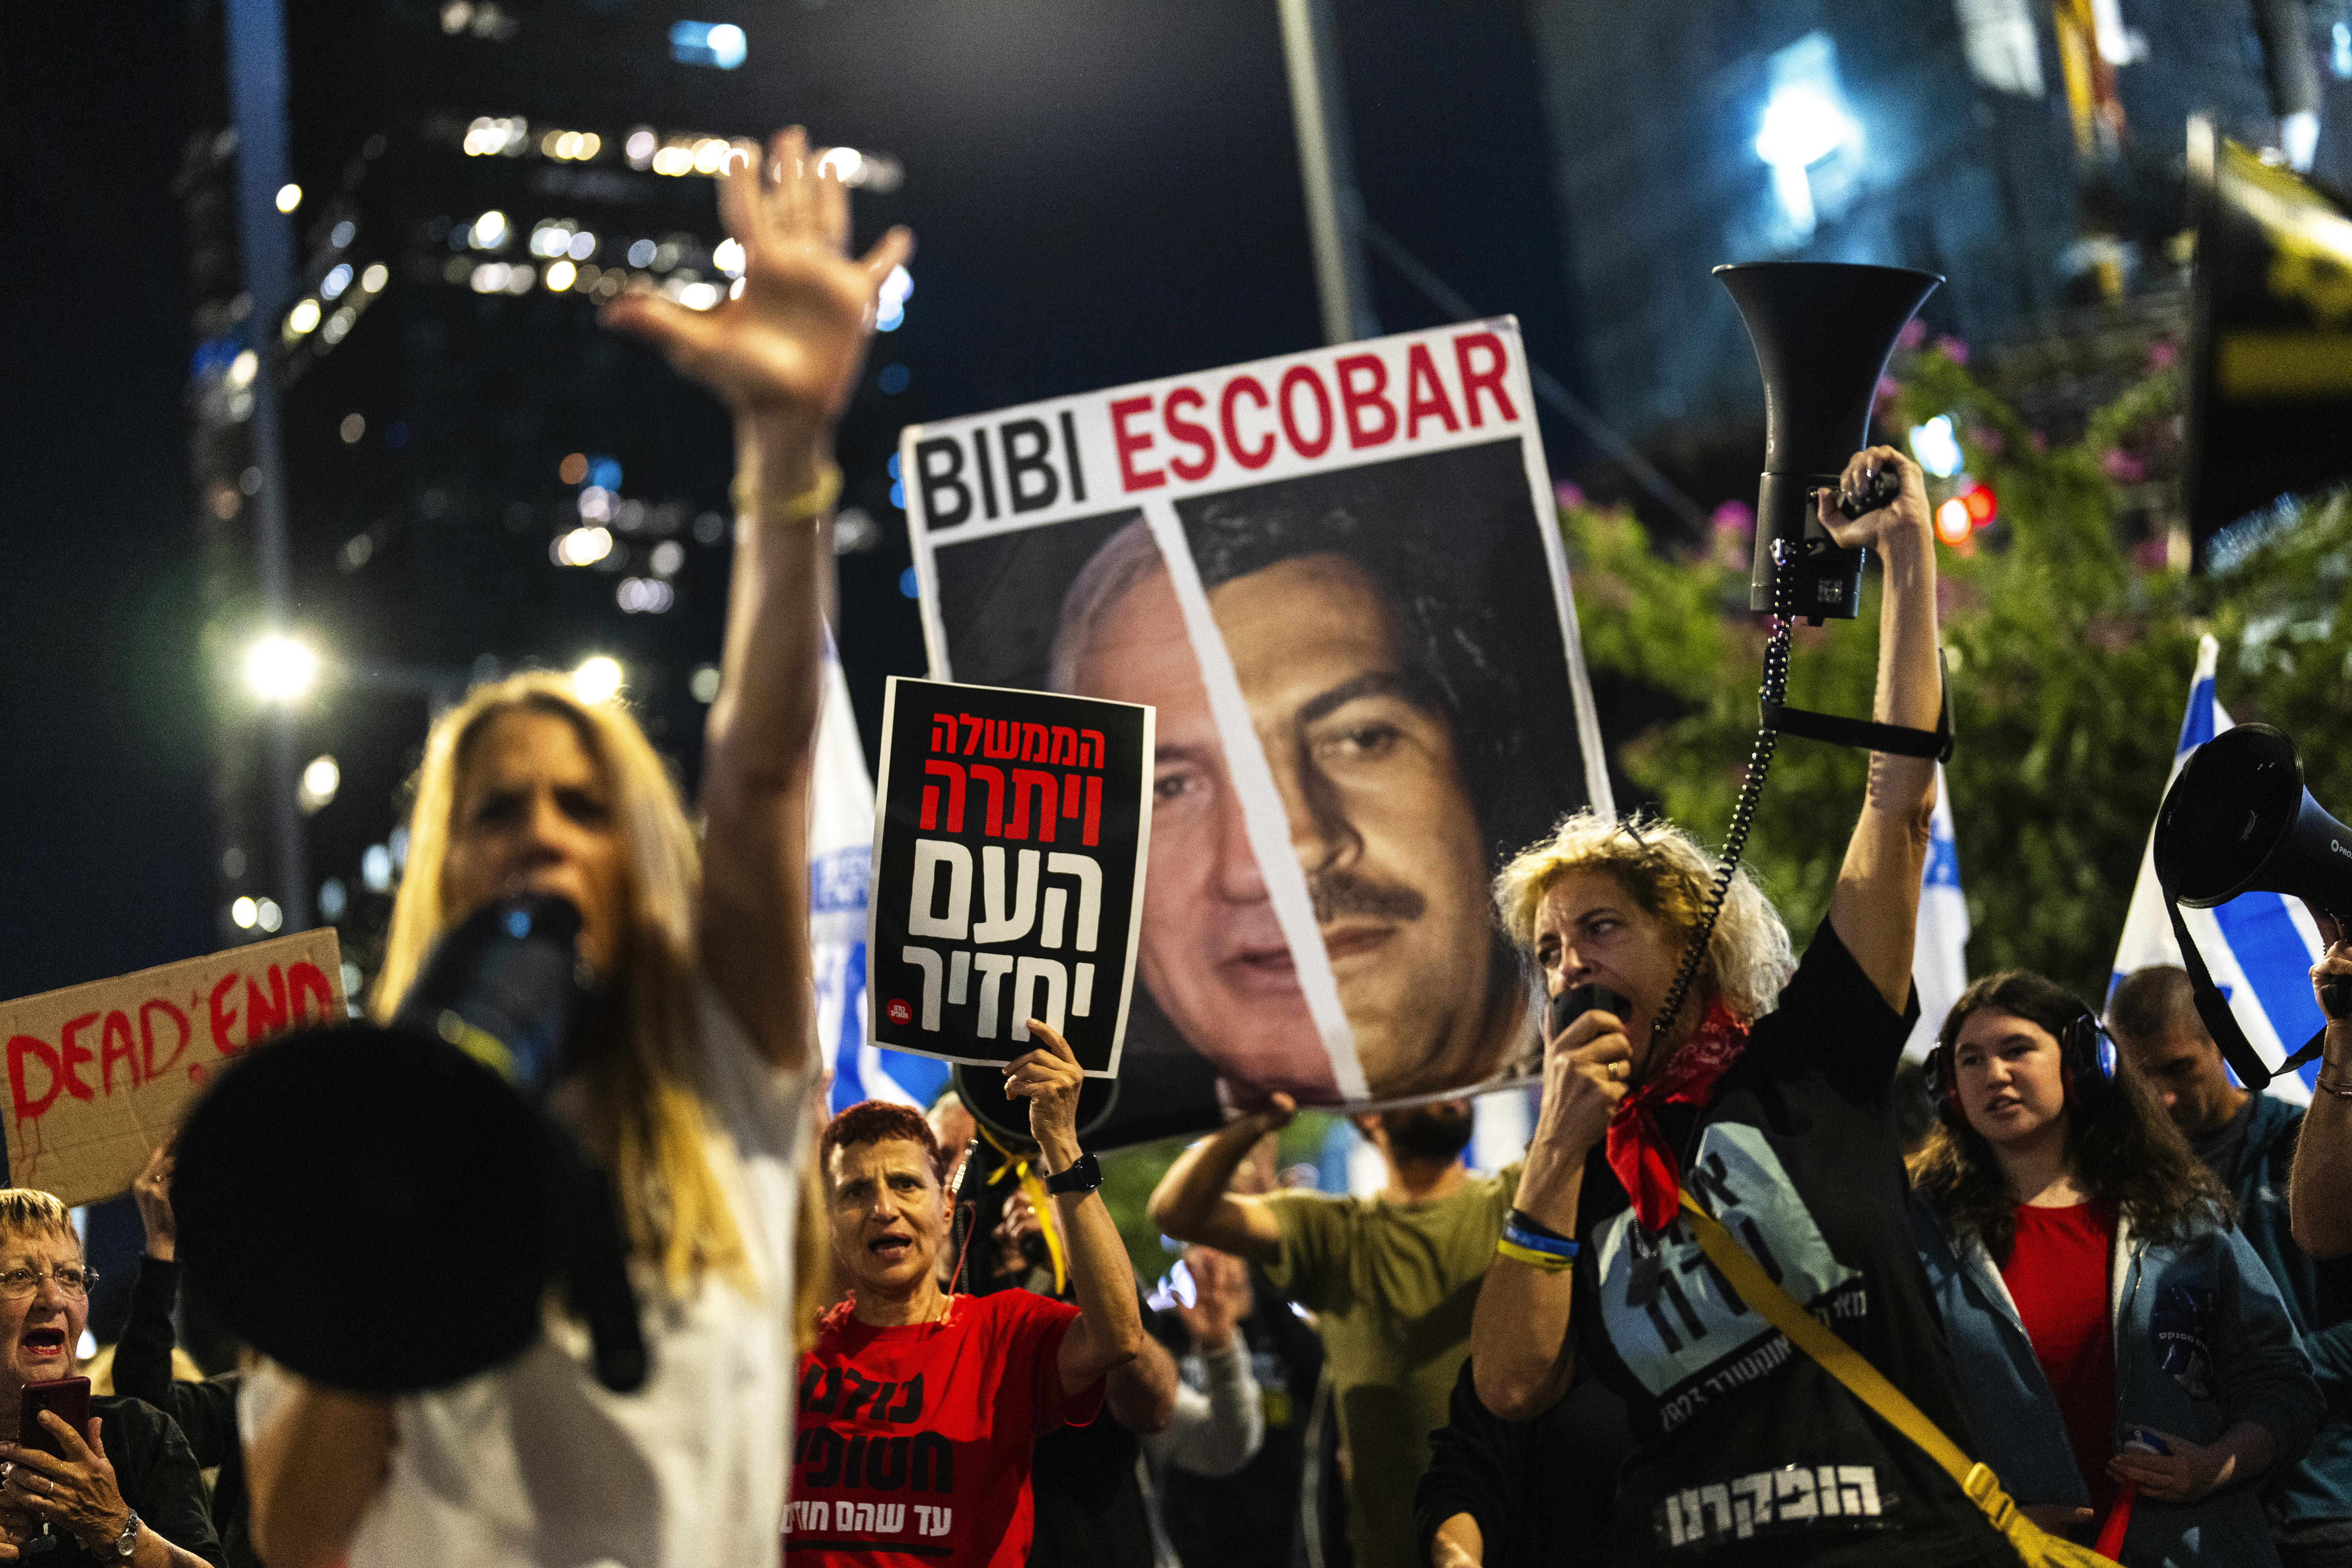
{"points": [[1637, 1150]]}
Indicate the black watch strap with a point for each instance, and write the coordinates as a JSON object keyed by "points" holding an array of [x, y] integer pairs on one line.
{"points": [[1083, 1177]]}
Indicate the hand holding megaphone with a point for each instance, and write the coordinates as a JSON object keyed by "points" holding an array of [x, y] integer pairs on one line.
{"points": [[1881, 492], [2331, 978]]}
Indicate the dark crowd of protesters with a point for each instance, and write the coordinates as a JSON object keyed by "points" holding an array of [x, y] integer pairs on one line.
{"points": [[1736, 1304]]}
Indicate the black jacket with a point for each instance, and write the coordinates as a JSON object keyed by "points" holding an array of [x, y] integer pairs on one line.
{"points": [[205, 1412]]}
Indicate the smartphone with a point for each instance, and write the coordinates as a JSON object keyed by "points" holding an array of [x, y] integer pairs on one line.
{"points": [[68, 1396], [1574, 1004]]}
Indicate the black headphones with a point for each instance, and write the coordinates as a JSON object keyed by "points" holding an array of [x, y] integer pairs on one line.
{"points": [[2086, 1065]]}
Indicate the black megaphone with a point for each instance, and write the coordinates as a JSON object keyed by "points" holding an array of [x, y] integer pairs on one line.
{"points": [[383, 1209], [2270, 339], [2239, 820], [1822, 332]]}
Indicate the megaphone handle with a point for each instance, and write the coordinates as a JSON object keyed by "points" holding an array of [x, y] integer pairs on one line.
{"points": [[1883, 487], [597, 1283]]}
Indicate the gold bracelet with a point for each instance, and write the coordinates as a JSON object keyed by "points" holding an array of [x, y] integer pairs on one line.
{"points": [[812, 503]]}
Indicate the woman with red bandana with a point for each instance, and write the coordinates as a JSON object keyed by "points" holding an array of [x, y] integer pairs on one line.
{"points": [[1767, 1099]]}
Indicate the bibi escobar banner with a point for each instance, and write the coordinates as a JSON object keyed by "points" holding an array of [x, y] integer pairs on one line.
{"points": [[1337, 578], [1008, 858]]}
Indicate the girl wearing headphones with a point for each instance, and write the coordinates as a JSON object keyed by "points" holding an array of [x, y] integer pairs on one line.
{"points": [[2110, 1323]]}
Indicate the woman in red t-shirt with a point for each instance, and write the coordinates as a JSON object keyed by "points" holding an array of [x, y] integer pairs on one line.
{"points": [[918, 1408], [2091, 1286]]}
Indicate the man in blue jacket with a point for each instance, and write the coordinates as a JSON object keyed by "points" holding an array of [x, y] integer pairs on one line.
{"points": [[2248, 1140]]}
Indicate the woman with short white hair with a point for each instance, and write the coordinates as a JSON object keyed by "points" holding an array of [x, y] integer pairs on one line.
{"points": [[126, 1491], [1765, 1097]]}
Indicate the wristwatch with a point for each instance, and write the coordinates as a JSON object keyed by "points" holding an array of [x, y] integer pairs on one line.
{"points": [[1083, 1177], [126, 1543]]}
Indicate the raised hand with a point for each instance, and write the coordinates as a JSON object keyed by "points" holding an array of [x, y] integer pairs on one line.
{"points": [[788, 343], [1908, 514], [151, 1190], [1220, 1297], [1049, 1078]]}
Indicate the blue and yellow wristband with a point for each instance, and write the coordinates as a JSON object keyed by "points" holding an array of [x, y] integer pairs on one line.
{"points": [[1537, 1245]]}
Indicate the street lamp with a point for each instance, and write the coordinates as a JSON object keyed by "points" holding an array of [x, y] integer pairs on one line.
{"points": [[280, 669]]}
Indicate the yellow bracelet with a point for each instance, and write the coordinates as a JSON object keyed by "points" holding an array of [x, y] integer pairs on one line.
{"points": [[1549, 1262], [813, 502]]}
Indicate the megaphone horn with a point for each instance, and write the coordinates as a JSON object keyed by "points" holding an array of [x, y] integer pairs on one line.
{"points": [[2239, 820], [1822, 332]]}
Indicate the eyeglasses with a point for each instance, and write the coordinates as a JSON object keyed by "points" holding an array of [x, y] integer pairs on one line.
{"points": [[15, 1284]]}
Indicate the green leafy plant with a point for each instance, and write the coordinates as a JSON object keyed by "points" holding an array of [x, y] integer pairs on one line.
{"points": [[2070, 657]]}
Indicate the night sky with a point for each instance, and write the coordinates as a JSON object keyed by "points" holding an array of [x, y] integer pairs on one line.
{"points": [[1104, 192]]}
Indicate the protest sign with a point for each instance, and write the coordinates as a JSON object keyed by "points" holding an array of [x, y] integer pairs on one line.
{"points": [[1008, 870], [1337, 577], [100, 1074]]}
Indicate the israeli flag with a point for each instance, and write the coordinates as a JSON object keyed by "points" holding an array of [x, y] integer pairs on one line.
{"points": [[841, 869], [1940, 948], [2259, 946]]}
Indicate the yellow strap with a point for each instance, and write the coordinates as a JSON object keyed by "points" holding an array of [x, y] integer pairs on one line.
{"points": [[1019, 1168], [1807, 1332], [2033, 1545]]}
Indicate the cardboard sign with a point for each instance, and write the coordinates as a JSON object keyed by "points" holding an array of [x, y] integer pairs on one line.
{"points": [[1338, 579], [1008, 870], [98, 1075]]}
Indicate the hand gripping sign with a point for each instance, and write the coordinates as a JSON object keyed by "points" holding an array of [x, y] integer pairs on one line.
{"points": [[1337, 578], [1009, 855], [99, 1075]]}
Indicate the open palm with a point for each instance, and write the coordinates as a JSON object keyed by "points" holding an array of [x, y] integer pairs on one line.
{"points": [[790, 339]]}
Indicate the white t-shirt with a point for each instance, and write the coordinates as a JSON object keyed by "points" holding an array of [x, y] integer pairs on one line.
{"points": [[537, 1465]]}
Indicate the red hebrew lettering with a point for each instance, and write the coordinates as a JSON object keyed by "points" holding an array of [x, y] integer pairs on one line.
{"points": [[1191, 434], [1070, 796], [117, 1028], [1490, 379], [1002, 739], [1027, 782], [147, 1011], [265, 1015], [1094, 811], [1425, 394], [1101, 748], [223, 1018], [1037, 743], [953, 773], [72, 1055], [942, 725], [29, 1108], [971, 732], [304, 983], [1130, 442], [994, 779], [1297, 376], [1247, 456], [1355, 401], [1066, 747]]}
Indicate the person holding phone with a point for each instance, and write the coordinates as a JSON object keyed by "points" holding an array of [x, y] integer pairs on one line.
{"points": [[689, 1081], [83, 1481], [2110, 1322]]}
